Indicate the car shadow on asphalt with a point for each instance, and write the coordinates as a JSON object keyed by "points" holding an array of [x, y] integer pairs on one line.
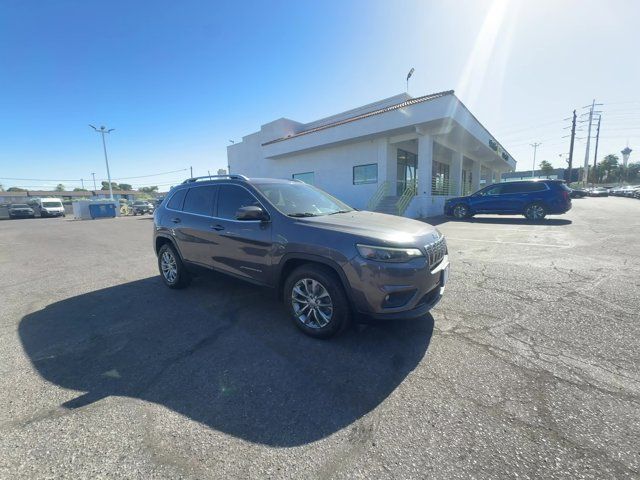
{"points": [[547, 222], [222, 353]]}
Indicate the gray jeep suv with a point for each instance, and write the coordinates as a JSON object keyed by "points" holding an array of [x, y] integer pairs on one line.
{"points": [[328, 261]]}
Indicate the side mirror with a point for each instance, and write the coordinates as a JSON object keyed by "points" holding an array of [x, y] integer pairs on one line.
{"points": [[251, 213]]}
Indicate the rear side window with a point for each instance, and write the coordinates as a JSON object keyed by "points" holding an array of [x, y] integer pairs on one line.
{"points": [[523, 187], [231, 198], [513, 188], [537, 187], [199, 200], [176, 201]]}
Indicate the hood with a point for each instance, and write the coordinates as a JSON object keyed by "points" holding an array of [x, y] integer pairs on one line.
{"points": [[457, 199], [379, 227]]}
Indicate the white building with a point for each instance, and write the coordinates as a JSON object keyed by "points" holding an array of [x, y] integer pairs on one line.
{"points": [[400, 155]]}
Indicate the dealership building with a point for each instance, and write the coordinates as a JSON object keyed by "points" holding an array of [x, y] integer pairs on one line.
{"points": [[402, 155]]}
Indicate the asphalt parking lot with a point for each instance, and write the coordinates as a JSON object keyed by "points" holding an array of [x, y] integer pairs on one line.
{"points": [[529, 367]]}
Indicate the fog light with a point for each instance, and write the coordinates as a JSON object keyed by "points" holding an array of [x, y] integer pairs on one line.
{"points": [[398, 299]]}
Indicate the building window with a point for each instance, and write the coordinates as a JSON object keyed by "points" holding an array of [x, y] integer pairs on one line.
{"points": [[365, 174], [306, 177], [440, 184]]}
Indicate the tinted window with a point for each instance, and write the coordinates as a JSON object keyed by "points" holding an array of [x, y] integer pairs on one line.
{"points": [[176, 201], [365, 174], [493, 190], [231, 198], [199, 200], [537, 187], [523, 187]]}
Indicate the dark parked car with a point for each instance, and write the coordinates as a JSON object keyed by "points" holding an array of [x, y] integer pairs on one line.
{"points": [[21, 210], [326, 260], [532, 198], [140, 207], [578, 193]]}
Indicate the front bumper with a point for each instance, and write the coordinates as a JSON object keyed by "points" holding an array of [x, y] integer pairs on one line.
{"points": [[373, 283]]}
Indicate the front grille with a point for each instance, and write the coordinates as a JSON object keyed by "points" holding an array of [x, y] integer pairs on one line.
{"points": [[436, 251]]}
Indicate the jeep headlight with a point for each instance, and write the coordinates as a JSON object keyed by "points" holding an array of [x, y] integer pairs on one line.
{"points": [[388, 254]]}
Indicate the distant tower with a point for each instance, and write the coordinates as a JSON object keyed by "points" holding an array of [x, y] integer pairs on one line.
{"points": [[625, 155]]}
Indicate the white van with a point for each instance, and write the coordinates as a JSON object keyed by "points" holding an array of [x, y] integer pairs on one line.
{"points": [[49, 207]]}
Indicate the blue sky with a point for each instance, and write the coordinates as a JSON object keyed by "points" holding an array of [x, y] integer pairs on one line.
{"points": [[178, 80]]}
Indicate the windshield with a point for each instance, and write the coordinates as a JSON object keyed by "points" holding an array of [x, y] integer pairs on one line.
{"points": [[301, 199], [19, 205], [51, 204]]}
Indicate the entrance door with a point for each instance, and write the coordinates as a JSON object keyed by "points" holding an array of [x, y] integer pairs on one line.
{"points": [[407, 170]]}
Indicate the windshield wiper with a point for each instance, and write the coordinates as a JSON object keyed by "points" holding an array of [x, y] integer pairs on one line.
{"points": [[340, 211], [302, 214]]}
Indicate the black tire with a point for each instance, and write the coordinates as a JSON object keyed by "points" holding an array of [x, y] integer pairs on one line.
{"points": [[181, 277], [461, 211], [535, 212], [330, 282]]}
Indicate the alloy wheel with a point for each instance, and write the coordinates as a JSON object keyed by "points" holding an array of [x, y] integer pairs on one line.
{"points": [[460, 211], [535, 212], [169, 266], [312, 304]]}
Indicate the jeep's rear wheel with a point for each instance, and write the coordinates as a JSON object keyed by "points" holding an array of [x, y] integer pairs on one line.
{"points": [[172, 270], [316, 301]]}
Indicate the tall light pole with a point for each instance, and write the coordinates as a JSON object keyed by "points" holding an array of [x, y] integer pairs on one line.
{"points": [[408, 77], [93, 174], [535, 149], [102, 130]]}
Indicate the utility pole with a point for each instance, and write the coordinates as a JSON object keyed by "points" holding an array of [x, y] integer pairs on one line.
{"points": [[191, 169], [94, 181], [102, 130], [585, 173], [82, 183], [595, 156], [573, 139], [535, 149]]}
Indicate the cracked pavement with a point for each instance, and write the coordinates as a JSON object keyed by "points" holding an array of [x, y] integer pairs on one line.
{"points": [[528, 367]]}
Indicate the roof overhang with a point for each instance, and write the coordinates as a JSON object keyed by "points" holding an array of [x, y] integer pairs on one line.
{"points": [[445, 117]]}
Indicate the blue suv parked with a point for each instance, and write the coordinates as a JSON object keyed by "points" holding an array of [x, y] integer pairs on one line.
{"points": [[533, 198]]}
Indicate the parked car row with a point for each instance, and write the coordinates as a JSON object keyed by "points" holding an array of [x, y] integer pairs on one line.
{"points": [[632, 191], [42, 207], [597, 192]]}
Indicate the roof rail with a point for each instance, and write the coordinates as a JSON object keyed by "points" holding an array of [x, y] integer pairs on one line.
{"points": [[234, 176]]}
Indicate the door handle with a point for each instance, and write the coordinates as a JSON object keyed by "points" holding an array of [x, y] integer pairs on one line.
{"points": [[217, 227], [176, 220]]}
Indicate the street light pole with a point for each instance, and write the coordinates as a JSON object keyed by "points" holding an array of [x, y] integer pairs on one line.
{"points": [[102, 130], [535, 149], [94, 181]]}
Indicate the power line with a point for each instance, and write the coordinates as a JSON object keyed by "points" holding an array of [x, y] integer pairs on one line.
{"points": [[77, 180], [152, 175]]}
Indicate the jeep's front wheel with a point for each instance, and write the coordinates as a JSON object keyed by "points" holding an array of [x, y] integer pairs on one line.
{"points": [[316, 301]]}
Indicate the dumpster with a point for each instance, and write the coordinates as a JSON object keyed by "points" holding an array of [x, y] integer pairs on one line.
{"points": [[102, 210]]}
